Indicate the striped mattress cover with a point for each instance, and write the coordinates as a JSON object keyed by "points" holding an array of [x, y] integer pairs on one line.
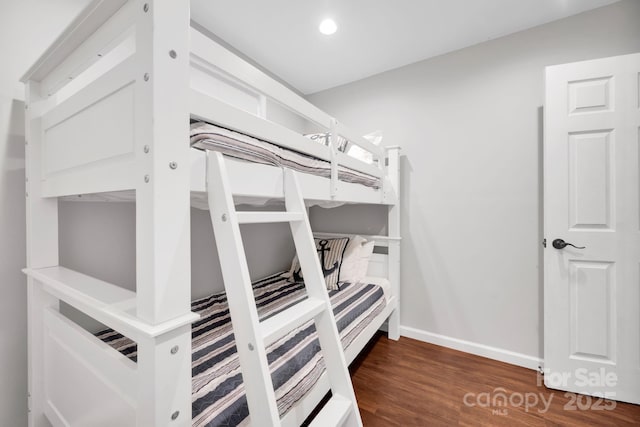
{"points": [[206, 136], [295, 361]]}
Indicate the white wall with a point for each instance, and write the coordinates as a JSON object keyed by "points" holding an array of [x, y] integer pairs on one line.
{"points": [[99, 239], [13, 303], [469, 123]]}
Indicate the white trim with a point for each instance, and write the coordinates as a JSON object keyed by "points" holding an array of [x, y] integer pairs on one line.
{"points": [[499, 354]]}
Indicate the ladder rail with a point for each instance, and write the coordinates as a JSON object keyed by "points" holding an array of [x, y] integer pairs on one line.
{"points": [[332, 351], [242, 307]]}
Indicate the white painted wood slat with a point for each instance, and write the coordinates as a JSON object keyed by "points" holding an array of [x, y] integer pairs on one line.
{"points": [[42, 251], [242, 306], [334, 412], [268, 217], [111, 366], [293, 317], [107, 303]]}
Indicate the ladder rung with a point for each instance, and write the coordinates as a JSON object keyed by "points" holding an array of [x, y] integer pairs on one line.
{"points": [[264, 217], [291, 318], [334, 412]]}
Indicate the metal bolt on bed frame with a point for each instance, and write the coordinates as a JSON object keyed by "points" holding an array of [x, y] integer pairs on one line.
{"points": [[173, 165], [250, 347], [174, 416], [173, 54], [146, 149], [224, 217], [146, 7], [146, 77], [146, 178], [174, 349]]}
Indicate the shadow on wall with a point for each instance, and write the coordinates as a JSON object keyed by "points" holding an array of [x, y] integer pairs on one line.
{"points": [[13, 304], [541, 231]]}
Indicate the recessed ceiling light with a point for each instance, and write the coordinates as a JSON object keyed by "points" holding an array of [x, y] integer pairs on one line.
{"points": [[328, 27]]}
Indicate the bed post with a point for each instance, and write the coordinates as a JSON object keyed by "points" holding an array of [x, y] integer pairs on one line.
{"points": [[393, 172], [163, 260], [42, 251]]}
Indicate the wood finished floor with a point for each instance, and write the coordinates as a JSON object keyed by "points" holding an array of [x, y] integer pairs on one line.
{"points": [[411, 383]]}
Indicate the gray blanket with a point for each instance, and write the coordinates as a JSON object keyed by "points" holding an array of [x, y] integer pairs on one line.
{"points": [[295, 360], [209, 137]]}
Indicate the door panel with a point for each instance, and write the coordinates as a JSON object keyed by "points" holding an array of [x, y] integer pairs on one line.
{"points": [[590, 180], [592, 325], [592, 199]]}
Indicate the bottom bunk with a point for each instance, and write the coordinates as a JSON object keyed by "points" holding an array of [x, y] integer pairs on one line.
{"points": [[295, 360], [84, 381]]}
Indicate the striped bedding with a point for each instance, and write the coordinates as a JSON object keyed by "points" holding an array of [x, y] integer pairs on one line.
{"points": [[206, 136], [295, 361]]}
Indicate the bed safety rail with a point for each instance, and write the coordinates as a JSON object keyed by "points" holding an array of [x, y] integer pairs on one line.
{"points": [[109, 304]]}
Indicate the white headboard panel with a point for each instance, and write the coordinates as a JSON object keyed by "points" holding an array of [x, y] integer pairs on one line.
{"points": [[378, 266]]}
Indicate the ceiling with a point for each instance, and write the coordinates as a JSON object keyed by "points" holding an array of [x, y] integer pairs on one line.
{"points": [[373, 35], [282, 35]]}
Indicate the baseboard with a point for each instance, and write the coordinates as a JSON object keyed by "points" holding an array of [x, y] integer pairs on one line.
{"points": [[495, 353]]}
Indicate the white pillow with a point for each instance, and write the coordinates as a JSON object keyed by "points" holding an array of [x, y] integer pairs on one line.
{"points": [[355, 261], [361, 154], [324, 138]]}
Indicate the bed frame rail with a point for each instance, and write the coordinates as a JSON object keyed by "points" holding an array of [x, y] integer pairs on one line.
{"points": [[205, 50], [99, 27], [219, 112], [83, 150]]}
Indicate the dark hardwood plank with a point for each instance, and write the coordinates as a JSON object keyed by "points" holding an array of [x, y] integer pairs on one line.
{"points": [[411, 383]]}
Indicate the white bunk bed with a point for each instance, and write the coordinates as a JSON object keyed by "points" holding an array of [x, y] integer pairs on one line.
{"points": [[108, 110]]}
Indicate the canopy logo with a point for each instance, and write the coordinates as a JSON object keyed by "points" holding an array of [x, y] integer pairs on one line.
{"points": [[600, 383]]}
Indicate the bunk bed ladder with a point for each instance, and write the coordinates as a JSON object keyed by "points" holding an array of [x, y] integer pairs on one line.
{"points": [[253, 336]]}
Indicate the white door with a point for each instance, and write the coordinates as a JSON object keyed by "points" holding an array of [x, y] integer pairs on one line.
{"points": [[591, 199]]}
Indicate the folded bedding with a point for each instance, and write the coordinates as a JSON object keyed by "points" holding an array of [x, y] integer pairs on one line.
{"points": [[206, 136], [295, 360]]}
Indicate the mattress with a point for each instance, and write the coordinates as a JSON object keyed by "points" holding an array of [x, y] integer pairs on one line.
{"points": [[206, 136], [295, 361]]}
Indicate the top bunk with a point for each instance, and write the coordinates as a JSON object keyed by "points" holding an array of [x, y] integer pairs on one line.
{"points": [[115, 102]]}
